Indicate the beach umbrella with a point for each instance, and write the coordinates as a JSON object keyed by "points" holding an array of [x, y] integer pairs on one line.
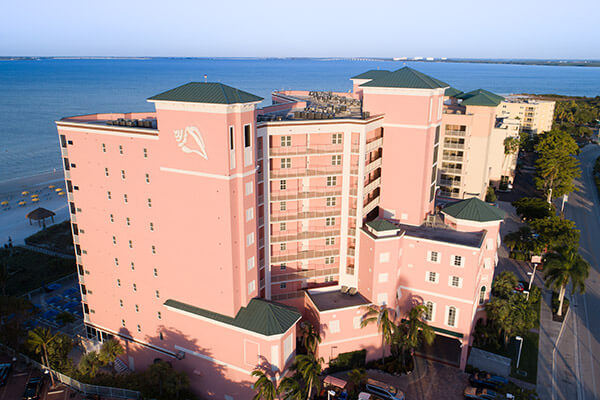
{"points": [[34, 196], [61, 193], [58, 190], [51, 187], [22, 203], [4, 203], [25, 193], [35, 200]]}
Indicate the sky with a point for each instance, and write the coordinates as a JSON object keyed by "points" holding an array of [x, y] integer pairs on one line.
{"points": [[306, 28]]}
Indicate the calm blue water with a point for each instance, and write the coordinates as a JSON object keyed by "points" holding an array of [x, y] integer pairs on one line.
{"points": [[33, 94]]}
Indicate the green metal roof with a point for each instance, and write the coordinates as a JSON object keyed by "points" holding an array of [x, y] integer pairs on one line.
{"points": [[480, 97], [381, 225], [407, 78], [261, 316], [474, 209], [372, 74], [452, 92], [206, 92]]}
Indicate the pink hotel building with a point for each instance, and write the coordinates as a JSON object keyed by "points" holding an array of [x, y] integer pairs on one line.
{"points": [[207, 230]]}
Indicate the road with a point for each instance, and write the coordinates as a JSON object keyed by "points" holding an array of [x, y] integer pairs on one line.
{"points": [[578, 351]]}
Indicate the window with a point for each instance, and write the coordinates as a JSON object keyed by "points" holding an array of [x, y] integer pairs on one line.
{"points": [[282, 206], [383, 277], [109, 195], [336, 138], [283, 246], [149, 202], [487, 263], [123, 323], [330, 221], [434, 257], [155, 272], [249, 214], [451, 316], [134, 287], [112, 218], [161, 336], [120, 149], [482, 294], [286, 141], [139, 328], [457, 261], [334, 326], [331, 201], [282, 184], [250, 239], [428, 311], [118, 282], [157, 294], [382, 298], [231, 138], [336, 160], [384, 257], [329, 241], [250, 263], [122, 174], [116, 262], [145, 153], [121, 303], [106, 171], [132, 266], [114, 239], [282, 226], [137, 308], [329, 260], [153, 249], [159, 315], [356, 322], [331, 180], [128, 221], [455, 281], [125, 198], [151, 226], [282, 285], [249, 188], [283, 267], [147, 178], [251, 287], [247, 136], [432, 277], [130, 244], [286, 163], [103, 148], [489, 244]]}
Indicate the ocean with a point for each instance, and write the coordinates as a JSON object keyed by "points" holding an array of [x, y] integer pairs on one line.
{"points": [[35, 93]]}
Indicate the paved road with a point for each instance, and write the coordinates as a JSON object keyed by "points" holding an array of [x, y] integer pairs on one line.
{"points": [[579, 349]]}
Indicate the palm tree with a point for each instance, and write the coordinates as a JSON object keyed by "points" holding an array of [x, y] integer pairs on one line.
{"points": [[414, 329], [110, 350], [264, 386], [310, 337], [562, 267], [289, 389], [357, 377], [39, 339], [384, 318], [309, 369]]}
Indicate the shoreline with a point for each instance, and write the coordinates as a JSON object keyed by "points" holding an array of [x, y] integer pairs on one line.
{"points": [[32, 182]]}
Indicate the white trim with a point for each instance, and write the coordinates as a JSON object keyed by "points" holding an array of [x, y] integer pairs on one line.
{"points": [[434, 294], [448, 316], [213, 360], [106, 130], [432, 125], [350, 339], [439, 241], [204, 107], [402, 91], [207, 175], [462, 261]]}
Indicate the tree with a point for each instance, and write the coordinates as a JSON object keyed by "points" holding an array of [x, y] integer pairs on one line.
{"points": [[15, 311], [38, 341], [383, 317], [289, 389], [309, 369], [264, 386], [530, 208], [310, 337], [555, 233], [511, 145], [556, 166], [165, 383], [357, 377], [110, 350], [523, 240], [89, 364], [490, 195], [412, 330], [563, 267], [58, 353]]}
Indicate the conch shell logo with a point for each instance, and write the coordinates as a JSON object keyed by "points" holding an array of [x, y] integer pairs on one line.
{"points": [[190, 141]]}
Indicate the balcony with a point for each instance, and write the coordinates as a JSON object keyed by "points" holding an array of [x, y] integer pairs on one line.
{"points": [[373, 165], [301, 172], [351, 251], [304, 255], [374, 144], [453, 145], [318, 192], [261, 221], [304, 236], [260, 199], [305, 215], [355, 148], [352, 231], [305, 150], [450, 170], [304, 275], [370, 206], [449, 182], [372, 185], [350, 270], [446, 157], [261, 243], [455, 133]]}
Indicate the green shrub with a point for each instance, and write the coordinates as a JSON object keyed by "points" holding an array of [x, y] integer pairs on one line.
{"points": [[490, 196], [348, 361]]}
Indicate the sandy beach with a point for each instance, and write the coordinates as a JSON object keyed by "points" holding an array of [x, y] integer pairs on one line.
{"points": [[13, 221]]}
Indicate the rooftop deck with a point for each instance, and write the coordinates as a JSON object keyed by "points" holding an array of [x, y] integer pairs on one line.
{"points": [[470, 239], [334, 299], [145, 121]]}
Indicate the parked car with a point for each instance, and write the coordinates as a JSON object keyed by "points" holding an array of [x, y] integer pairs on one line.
{"points": [[367, 396], [33, 389], [383, 390], [4, 372], [484, 379], [481, 394]]}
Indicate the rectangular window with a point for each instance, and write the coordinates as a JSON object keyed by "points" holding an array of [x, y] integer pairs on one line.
{"points": [[432, 276], [145, 153], [250, 239], [63, 141], [336, 138], [122, 174], [116, 262], [159, 315], [330, 221], [108, 195], [282, 267], [457, 261], [329, 241], [455, 281], [103, 148], [130, 244], [134, 287], [118, 282], [249, 214], [153, 249], [120, 149], [283, 246], [249, 188], [434, 257], [384, 257], [125, 198], [334, 326], [329, 260], [247, 136], [282, 184], [282, 226], [66, 164], [356, 322], [383, 277], [149, 202], [147, 178], [336, 160], [331, 180], [151, 226], [452, 316], [250, 263], [106, 171], [114, 240], [155, 272], [231, 139], [286, 163], [331, 201], [429, 311], [157, 294], [286, 141], [251, 287], [128, 221], [282, 206]]}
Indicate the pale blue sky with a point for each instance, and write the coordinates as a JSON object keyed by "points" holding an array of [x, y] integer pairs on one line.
{"points": [[226, 28]]}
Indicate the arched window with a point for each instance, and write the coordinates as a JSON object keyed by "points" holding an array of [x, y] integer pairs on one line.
{"points": [[482, 294], [429, 311], [452, 316]]}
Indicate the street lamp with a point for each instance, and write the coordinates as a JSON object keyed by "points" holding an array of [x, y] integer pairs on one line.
{"points": [[330, 393], [520, 339]]}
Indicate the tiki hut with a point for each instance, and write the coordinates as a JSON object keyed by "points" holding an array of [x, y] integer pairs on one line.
{"points": [[40, 215]]}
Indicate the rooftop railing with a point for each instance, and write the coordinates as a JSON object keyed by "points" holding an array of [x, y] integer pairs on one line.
{"points": [[304, 236], [300, 172], [305, 215], [304, 255]]}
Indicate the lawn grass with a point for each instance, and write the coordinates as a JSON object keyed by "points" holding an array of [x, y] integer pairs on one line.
{"points": [[529, 357], [29, 270], [57, 238]]}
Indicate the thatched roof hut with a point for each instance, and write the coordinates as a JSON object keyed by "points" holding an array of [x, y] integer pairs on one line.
{"points": [[40, 214]]}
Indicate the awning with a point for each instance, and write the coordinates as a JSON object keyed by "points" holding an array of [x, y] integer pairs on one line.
{"points": [[333, 381]]}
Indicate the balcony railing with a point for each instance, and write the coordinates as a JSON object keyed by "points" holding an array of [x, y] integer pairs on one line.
{"points": [[304, 236], [446, 157], [370, 206], [261, 243], [306, 150], [304, 275], [455, 133], [371, 186], [374, 144], [352, 231], [350, 269], [351, 251], [300, 172], [449, 182], [355, 148], [305, 215], [311, 194], [373, 165], [304, 255], [261, 221], [451, 170], [451, 145]]}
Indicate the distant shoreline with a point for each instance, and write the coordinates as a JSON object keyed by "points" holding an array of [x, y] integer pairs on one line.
{"points": [[548, 62]]}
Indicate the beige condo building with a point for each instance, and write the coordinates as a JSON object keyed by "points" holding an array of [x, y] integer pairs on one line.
{"points": [[535, 115]]}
